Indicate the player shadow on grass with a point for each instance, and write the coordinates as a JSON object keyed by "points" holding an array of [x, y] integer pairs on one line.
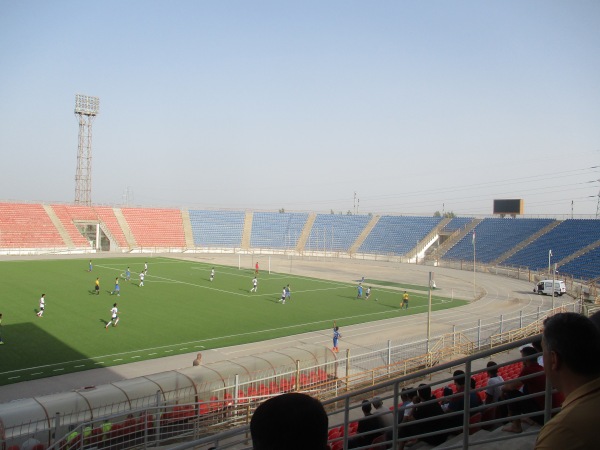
{"points": [[92, 292], [104, 322], [371, 300], [385, 305]]}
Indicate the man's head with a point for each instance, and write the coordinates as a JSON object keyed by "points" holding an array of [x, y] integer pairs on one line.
{"points": [[376, 402], [459, 379], [571, 344], [528, 352], [424, 392], [366, 407], [292, 421], [492, 369]]}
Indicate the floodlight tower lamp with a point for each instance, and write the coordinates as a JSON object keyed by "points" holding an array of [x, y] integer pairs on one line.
{"points": [[86, 105]]}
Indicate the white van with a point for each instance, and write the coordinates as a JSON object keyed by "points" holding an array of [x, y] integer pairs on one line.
{"points": [[545, 287]]}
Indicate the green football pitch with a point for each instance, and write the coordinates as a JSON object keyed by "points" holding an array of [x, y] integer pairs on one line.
{"points": [[178, 310]]}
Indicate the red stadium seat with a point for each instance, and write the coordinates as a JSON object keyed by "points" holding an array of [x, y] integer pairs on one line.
{"points": [[334, 433], [284, 385], [203, 409]]}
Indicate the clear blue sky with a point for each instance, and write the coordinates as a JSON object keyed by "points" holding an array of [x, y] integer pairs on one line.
{"points": [[415, 106]]}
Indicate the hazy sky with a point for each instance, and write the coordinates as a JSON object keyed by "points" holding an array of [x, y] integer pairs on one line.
{"points": [[416, 106]]}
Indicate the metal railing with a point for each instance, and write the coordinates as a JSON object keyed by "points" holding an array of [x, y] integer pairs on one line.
{"points": [[232, 405]]}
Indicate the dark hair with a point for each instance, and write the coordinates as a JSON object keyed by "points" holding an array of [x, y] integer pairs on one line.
{"points": [[576, 340], [528, 351], [292, 421], [461, 380], [424, 391], [492, 368], [377, 402], [366, 406]]}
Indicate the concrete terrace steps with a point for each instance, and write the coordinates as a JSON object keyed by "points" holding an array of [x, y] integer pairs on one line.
{"points": [[187, 229], [131, 243], [59, 226], [363, 235], [247, 231], [306, 232]]}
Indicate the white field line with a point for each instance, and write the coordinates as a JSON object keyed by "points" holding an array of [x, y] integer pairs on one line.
{"points": [[168, 348], [169, 280]]}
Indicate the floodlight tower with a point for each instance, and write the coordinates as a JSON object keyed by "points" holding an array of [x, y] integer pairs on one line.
{"points": [[86, 109]]}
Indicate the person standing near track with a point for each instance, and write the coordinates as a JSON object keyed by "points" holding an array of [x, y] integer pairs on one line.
{"points": [[336, 336], [256, 269], [90, 267], [196, 362], [404, 300], [40, 313]]}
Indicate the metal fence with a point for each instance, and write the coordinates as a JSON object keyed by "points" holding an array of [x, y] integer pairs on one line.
{"points": [[154, 420]]}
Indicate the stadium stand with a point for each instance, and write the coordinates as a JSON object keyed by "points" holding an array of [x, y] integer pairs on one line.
{"points": [[585, 266], [494, 236], [217, 228], [564, 240], [68, 214], [397, 234], [335, 232], [503, 242], [24, 225], [277, 230], [155, 227], [456, 223], [109, 219]]}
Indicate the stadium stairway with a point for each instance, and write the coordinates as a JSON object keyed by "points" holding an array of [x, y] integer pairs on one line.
{"points": [[305, 232], [452, 240], [578, 253], [59, 226], [361, 238], [526, 242], [247, 233], [187, 228], [125, 227]]}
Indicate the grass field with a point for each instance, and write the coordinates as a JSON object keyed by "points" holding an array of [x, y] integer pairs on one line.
{"points": [[177, 311]]}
